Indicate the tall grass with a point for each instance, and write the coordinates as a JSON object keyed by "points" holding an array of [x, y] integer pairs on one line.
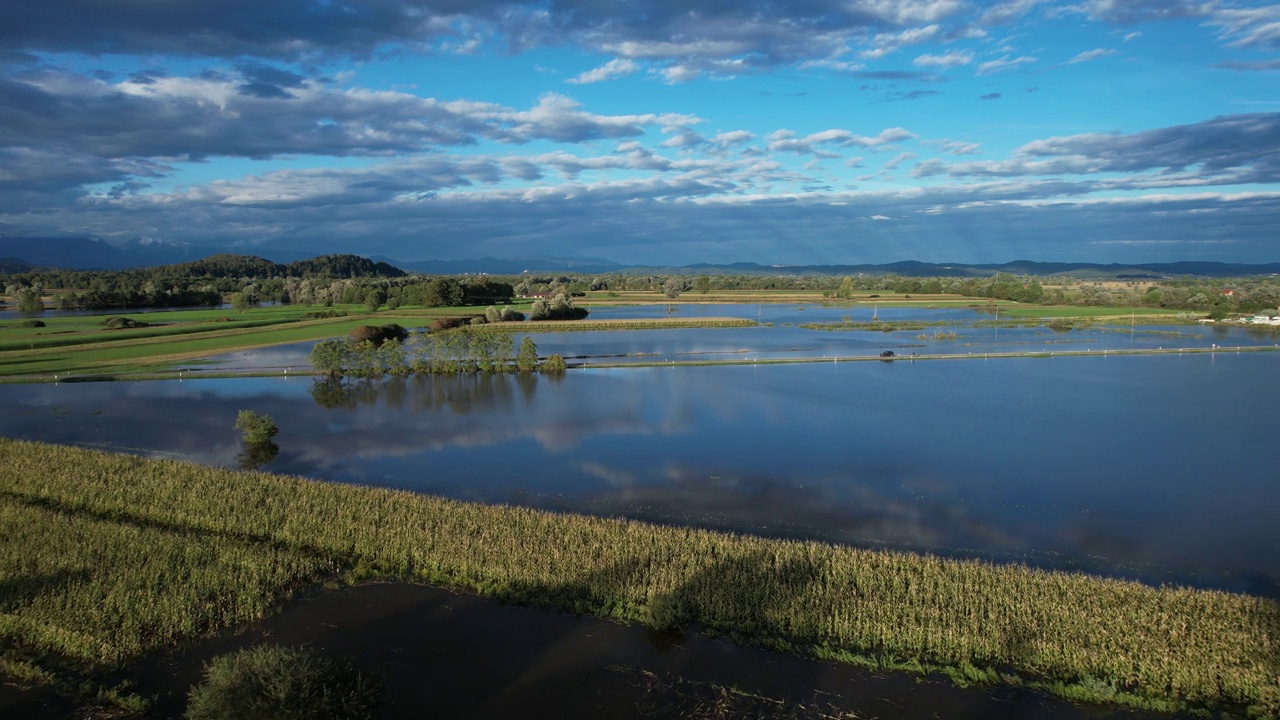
{"points": [[106, 556]]}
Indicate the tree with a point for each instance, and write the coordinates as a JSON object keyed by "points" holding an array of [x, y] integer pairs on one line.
{"points": [[846, 289], [256, 429], [242, 301], [702, 284], [527, 356], [330, 357], [29, 300], [554, 365]]}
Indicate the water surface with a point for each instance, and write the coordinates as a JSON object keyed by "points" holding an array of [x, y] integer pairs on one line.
{"points": [[1153, 467]]}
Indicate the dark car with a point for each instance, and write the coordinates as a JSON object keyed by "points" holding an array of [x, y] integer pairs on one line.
{"points": [[887, 353]]}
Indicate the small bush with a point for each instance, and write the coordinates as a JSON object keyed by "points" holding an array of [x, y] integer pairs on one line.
{"points": [[377, 334], [120, 322], [447, 323], [257, 429], [554, 365], [32, 323], [269, 682]]}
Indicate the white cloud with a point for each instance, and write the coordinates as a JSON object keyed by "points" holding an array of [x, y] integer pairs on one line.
{"points": [[1088, 55], [1003, 64], [949, 60], [616, 68]]}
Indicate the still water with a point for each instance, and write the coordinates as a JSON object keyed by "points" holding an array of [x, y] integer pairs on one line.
{"points": [[1160, 468], [781, 335]]}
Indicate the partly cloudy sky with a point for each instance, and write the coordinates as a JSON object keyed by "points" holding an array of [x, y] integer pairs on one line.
{"points": [[648, 131]]}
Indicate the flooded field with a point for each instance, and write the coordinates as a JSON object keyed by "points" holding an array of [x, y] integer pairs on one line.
{"points": [[1150, 467]]}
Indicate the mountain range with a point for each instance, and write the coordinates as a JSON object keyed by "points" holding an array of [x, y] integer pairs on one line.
{"points": [[22, 253]]}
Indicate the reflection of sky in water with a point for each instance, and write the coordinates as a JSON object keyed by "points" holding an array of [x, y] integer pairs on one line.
{"points": [[785, 339], [1157, 467]]}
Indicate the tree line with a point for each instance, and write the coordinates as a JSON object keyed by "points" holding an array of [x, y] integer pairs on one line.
{"points": [[391, 350]]}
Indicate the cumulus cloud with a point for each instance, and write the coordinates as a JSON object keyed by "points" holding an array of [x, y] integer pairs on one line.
{"points": [[688, 39], [1230, 149], [788, 141], [1128, 12], [1250, 27], [698, 37], [649, 220], [194, 118]]}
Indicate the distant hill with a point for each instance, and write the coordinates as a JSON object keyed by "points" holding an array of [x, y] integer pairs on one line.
{"points": [[511, 266], [13, 265], [343, 266], [79, 253], [912, 268], [90, 254]]}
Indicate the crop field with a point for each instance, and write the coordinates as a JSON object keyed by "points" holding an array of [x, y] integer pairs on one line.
{"points": [[108, 556]]}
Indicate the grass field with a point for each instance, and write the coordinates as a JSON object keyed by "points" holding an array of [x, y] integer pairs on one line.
{"points": [[82, 344], [110, 556]]}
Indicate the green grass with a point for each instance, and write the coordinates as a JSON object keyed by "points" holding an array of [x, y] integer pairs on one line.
{"points": [[109, 556], [589, 325], [81, 345]]}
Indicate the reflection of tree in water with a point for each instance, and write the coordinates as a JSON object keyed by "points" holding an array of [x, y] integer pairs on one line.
{"points": [[462, 394], [255, 455]]}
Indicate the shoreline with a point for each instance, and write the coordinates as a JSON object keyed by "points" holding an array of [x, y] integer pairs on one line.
{"points": [[196, 374]]}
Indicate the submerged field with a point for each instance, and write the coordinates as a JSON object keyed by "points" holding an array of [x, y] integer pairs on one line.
{"points": [[80, 344], [110, 556]]}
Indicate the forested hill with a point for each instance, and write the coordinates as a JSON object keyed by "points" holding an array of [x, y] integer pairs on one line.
{"points": [[13, 265], [343, 266], [249, 266]]}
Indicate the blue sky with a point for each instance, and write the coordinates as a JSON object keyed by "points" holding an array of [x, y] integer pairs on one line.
{"points": [[811, 131]]}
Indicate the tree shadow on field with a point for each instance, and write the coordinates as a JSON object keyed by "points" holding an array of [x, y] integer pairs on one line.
{"points": [[20, 590]]}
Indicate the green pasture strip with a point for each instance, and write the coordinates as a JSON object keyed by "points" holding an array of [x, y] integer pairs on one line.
{"points": [[107, 556], [104, 357], [100, 334], [623, 324]]}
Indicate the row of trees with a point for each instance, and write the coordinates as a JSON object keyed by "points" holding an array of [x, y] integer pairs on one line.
{"points": [[463, 350]]}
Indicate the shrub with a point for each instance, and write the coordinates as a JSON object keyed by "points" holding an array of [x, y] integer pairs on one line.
{"points": [[377, 334], [554, 365], [447, 323], [256, 428], [119, 322], [269, 682], [32, 323]]}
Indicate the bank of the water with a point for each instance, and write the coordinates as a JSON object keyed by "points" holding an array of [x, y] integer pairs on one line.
{"points": [[115, 556], [694, 360]]}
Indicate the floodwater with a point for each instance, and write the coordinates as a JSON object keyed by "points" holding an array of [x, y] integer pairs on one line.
{"points": [[780, 336], [1159, 468], [442, 655]]}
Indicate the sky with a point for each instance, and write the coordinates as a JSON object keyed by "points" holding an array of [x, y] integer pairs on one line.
{"points": [[649, 131]]}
